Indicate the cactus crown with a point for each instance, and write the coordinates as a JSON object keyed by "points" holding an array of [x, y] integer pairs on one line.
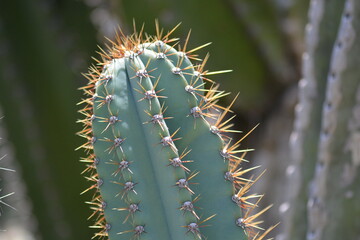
{"points": [[159, 155]]}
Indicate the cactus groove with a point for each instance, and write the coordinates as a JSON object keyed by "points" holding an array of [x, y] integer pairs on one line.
{"points": [[162, 163]]}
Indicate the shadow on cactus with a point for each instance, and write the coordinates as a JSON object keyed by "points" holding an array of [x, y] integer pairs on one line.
{"points": [[160, 156]]}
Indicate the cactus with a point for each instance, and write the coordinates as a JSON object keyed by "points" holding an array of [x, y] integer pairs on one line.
{"points": [[32, 121], [159, 155], [2, 197], [325, 199], [320, 37], [334, 202]]}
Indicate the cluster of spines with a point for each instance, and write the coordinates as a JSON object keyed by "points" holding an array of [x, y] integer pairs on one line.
{"points": [[207, 108]]}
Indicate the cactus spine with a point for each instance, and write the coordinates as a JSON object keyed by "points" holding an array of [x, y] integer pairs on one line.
{"points": [[147, 126]]}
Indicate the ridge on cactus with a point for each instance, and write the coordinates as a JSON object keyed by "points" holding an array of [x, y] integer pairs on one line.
{"points": [[160, 157]]}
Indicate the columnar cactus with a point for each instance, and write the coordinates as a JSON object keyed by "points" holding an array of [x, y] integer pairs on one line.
{"points": [[3, 196], [334, 202], [160, 159], [324, 18], [325, 195]]}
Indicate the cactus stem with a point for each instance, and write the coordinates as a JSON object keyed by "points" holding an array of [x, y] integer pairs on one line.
{"points": [[111, 80]]}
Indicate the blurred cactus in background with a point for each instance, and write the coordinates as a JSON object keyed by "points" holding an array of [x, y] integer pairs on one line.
{"points": [[3, 195], [324, 199], [37, 96], [310, 153]]}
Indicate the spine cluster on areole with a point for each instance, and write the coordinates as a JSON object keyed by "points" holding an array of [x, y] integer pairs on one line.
{"points": [[160, 156]]}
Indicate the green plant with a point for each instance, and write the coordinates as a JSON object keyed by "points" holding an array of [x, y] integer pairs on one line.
{"points": [[324, 199], [2, 197], [6, 195], [149, 120], [31, 121]]}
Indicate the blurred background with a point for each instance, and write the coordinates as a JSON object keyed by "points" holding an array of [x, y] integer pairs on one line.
{"points": [[45, 45]]}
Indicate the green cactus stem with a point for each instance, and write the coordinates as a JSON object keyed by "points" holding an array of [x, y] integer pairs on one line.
{"points": [[334, 201], [160, 170], [3, 196], [324, 18]]}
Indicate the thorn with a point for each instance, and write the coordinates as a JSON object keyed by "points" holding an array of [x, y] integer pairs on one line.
{"points": [[188, 206], [194, 227], [169, 140], [132, 209], [138, 231], [121, 166], [183, 183], [178, 162], [127, 187]]}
